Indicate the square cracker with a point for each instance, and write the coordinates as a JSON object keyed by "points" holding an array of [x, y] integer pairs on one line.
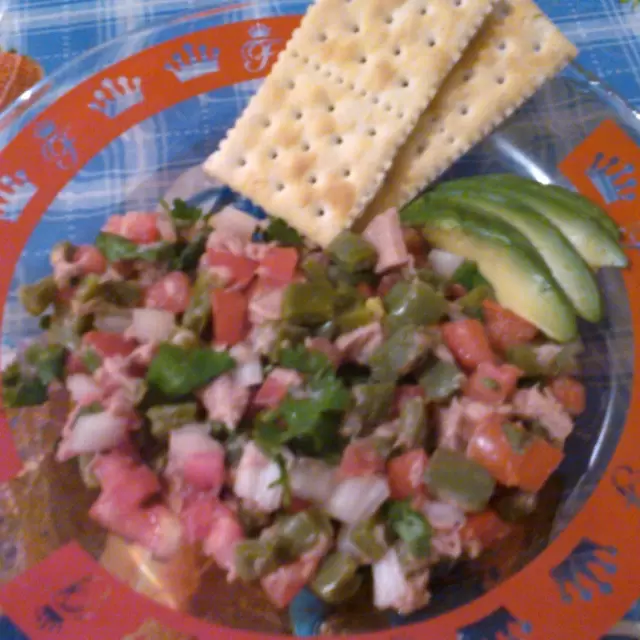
{"points": [[314, 144], [515, 52]]}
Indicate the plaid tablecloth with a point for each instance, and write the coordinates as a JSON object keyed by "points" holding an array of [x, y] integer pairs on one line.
{"points": [[53, 32]]}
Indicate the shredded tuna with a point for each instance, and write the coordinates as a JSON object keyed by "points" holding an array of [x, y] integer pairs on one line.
{"points": [[385, 234], [225, 400], [359, 345], [543, 406]]}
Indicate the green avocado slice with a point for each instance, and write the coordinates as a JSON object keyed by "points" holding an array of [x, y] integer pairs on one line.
{"points": [[567, 267], [520, 278]]}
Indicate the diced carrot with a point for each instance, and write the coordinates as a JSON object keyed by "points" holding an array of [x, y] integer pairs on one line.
{"points": [[279, 264], [541, 459], [468, 342], [485, 529], [406, 474], [570, 393], [492, 384], [229, 316], [504, 328], [241, 269]]}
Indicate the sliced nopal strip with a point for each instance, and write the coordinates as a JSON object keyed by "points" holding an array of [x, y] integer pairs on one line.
{"points": [[516, 51], [315, 142]]}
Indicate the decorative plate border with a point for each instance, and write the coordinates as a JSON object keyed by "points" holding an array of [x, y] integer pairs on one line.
{"points": [[577, 588]]}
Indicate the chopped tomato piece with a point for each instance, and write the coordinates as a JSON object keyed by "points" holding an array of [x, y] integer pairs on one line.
{"points": [[490, 446], [541, 459], [197, 516], [75, 364], [65, 295], [284, 584], [504, 328], [241, 269], [485, 529], [90, 259], [107, 344], [361, 458], [492, 384], [170, 293], [275, 388], [229, 316], [279, 264], [570, 393], [141, 228], [468, 342], [406, 474], [405, 392]]}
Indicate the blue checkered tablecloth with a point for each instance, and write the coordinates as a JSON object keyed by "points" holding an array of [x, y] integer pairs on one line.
{"points": [[53, 32]]}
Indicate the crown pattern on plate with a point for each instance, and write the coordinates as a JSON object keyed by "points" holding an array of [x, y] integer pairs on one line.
{"points": [[259, 30], [576, 570], [626, 481], [613, 179], [192, 62], [116, 96], [15, 192], [500, 624]]}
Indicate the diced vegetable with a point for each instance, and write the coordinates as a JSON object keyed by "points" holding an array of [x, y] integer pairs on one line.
{"points": [[472, 302], [441, 380], [307, 304], [452, 476], [468, 276], [406, 474], [46, 360], [504, 328], [20, 390], [570, 393], [541, 459], [516, 505], [356, 499], [414, 303], [492, 384], [444, 263], [166, 418], [299, 533], [37, 297], [361, 458], [354, 318], [484, 531], [121, 293], [238, 270], [197, 315], [373, 401], [279, 231], [368, 539], [171, 293], [412, 426], [337, 578], [468, 342], [116, 248], [176, 372], [352, 252], [405, 350], [108, 344], [279, 265], [256, 558], [410, 526], [306, 361], [152, 325], [229, 316], [183, 214]]}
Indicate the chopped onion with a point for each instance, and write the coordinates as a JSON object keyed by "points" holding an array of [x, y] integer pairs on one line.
{"points": [[236, 222], [442, 515], [114, 322], [248, 372], [152, 325], [312, 480], [389, 582], [444, 263], [93, 433], [81, 386], [357, 498], [190, 439]]}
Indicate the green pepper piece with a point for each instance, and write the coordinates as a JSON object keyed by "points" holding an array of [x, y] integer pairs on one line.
{"points": [[198, 313], [346, 297], [471, 303], [256, 558], [286, 336], [315, 271], [115, 248], [412, 423], [91, 360], [452, 476], [368, 538], [303, 360], [356, 317], [441, 380], [300, 532], [47, 360], [415, 303], [410, 526], [166, 418], [184, 338], [525, 358], [433, 279], [373, 401], [468, 276], [88, 477], [37, 297], [307, 304], [352, 252], [21, 391], [400, 354], [337, 579], [327, 330]]}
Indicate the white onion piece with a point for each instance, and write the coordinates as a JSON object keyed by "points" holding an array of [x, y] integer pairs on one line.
{"points": [[355, 499], [234, 221], [93, 433], [190, 439], [248, 371], [312, 480], [444, 263], [114, 323], [442, 515], [389, 582], [81, 386], [152, 325], [255, 478]]}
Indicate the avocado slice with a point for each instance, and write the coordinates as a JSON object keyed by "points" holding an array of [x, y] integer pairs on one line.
{"points": [[596, 246], [567, 267], [581, 205], [519, 276]]}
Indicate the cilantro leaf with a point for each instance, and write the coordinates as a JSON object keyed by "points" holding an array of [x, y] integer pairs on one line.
{"points": [[305, 361], [183, 214], [176, 371], [279, 231], [410, 526], [188, 255], [47, 361], [115, 248]]}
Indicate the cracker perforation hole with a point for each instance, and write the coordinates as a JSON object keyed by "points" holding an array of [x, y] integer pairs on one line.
{"points": [[457, 3], [279, 186], [297, 115], [387, 106], [397, 51], [331, 108], [313, 180], [500, 79], [464, 110], [320, 212], [375, 99], [423, 11], [404, 83], [291, 85], [537, 47], [371, 132], [322, 37], [502, 46], [305, 146], [420, 149], [355, 28], [362, 59], [242, 162], [337, 140], [363, 93], [431, 42], [389, 19], [467, 76], [451, 139], [346, 173], [273, 154], [266, 123]]}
